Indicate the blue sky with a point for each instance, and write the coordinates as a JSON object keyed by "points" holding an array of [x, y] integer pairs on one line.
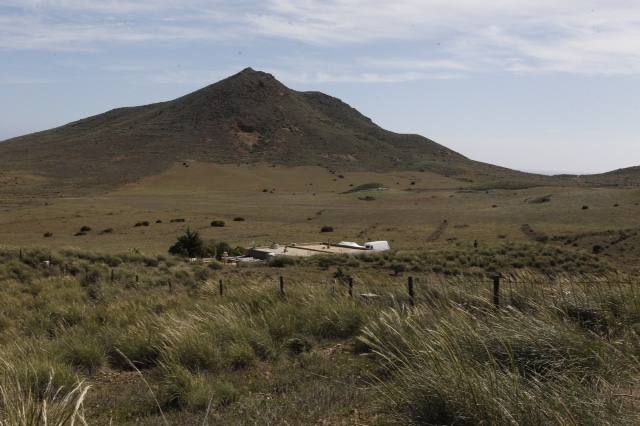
{"points": [[539, 85]]}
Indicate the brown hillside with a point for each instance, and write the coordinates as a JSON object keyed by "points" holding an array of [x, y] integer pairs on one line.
{"points": [[248, 117]]}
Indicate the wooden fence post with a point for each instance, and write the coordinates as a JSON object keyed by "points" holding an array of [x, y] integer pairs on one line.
{"points": [[350, 287], [496, 290], [281, 285], [112, 276], [411, 293], [221, 288], [20, 254]]}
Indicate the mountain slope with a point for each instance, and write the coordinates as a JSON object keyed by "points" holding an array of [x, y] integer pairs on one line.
{"points": [[248, 117], [629, 176]]}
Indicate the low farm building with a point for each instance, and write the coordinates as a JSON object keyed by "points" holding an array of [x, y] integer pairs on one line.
{"points": [[312, 249]]}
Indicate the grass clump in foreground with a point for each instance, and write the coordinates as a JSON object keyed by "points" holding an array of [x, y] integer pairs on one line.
{"points": [[505, 367], [181, 353]]}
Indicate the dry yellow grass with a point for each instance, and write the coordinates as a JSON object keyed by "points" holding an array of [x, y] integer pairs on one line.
{"points": [[303, 200]]}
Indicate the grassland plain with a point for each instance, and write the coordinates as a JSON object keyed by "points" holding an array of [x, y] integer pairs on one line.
{"points": [[133, 339], [286, 204]]}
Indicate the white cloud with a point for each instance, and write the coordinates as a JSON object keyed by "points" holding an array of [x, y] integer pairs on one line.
{"points": [[428, 38]]}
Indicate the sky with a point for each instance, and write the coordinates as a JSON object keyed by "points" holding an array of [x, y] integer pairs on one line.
{"points": [[548, 86]]}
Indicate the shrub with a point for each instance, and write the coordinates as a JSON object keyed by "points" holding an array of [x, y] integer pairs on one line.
{"points": [[177, 221], [218, 249], [188, 245], [585, 207], [139, 224], [239, 355], [181, 388], [106, 231], [297, 345], [85, 229], [218, 224], [83, 352], [326, 229], [48, 235], [282, 261], [79, 234], [224, 393], [238, 219], [138, 345]]}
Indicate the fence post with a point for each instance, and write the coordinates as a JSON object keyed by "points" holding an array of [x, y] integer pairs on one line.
{"points": [[137, 279], [20, 254], [281, 285], [112, 276], [411, 293], [350, 286], [221, 288], [496, 290]]}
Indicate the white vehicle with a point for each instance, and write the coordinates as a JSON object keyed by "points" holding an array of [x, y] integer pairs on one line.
{"points": [[377, 246]]}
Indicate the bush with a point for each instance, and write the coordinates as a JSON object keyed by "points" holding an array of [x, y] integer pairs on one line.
{"points": [[177, 221], [83, 352], [297, 345], [106, 231], [138, 346], [326, 228], [585, 207], [240, 355], [85, 229], [217, 223], [238, 219], [48, 235], [218, 249], [139, 224], [282, 261], [189, 245], [181, 388]]}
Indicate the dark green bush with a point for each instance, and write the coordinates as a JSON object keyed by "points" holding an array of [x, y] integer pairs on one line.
{"points": [[189, 245]]}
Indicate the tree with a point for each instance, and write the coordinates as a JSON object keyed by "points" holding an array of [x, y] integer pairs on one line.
{"points": [[188, 245]]}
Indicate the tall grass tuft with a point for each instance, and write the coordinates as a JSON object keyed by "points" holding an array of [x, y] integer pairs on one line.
{"points": [[20, 405], [503, 367]]}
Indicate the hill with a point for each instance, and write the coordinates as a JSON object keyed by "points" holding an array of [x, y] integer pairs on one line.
{"points": [[629, 176], [249, 117]]}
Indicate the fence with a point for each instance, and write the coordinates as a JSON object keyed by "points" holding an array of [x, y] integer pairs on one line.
{"points": [[592, 292]]}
